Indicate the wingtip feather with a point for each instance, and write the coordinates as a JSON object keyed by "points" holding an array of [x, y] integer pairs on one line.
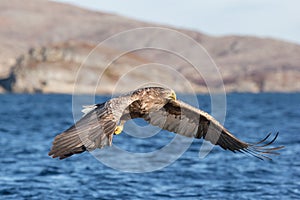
{"points": [[259, 149]]}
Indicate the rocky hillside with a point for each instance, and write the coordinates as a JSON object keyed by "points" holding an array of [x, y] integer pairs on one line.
{"points": [[44, 46]]}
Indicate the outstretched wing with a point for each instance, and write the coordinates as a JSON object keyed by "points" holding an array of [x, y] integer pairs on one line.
{"points": [[94, 130], [179, 117]]}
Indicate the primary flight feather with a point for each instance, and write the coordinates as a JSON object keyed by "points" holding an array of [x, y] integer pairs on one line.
{"points": [[159, 107]]}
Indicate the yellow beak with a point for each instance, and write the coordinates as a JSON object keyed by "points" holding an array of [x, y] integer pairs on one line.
{"points": [[173, 95]]}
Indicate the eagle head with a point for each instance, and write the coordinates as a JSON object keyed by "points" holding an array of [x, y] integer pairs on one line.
{"points": [[162, 95], [154, 98]]}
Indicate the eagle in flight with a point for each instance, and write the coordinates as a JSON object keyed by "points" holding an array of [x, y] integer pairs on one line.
{"points": [[159, 107]]}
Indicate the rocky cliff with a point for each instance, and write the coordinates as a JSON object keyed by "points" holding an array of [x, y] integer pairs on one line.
{"points": [[44, 46]]}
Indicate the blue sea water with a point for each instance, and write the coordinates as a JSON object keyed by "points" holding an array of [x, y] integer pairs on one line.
{"points": [[28, 124]]}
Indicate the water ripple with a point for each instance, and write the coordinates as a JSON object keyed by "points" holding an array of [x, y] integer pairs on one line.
{"points": [[27, 130]]}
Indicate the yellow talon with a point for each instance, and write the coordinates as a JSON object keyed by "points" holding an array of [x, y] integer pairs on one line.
{"points": [[118, 130]]}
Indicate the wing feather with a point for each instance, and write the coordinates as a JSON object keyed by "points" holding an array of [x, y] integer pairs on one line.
{"points": [[94, 130], [179, 117]]}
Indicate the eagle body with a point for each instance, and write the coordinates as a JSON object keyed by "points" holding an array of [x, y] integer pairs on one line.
{"points": [[159, 107]]}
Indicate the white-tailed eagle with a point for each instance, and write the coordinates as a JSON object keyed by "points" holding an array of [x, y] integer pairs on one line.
{"points": [[159, 107]]}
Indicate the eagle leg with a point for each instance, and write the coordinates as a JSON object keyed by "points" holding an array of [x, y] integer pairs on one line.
{"points": [[119, 128]]}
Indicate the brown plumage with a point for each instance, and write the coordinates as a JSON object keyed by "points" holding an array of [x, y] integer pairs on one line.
{"points": [[159, 107]]}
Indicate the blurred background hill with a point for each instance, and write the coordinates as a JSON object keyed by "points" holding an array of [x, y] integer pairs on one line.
{"points": [[44, 43]]}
